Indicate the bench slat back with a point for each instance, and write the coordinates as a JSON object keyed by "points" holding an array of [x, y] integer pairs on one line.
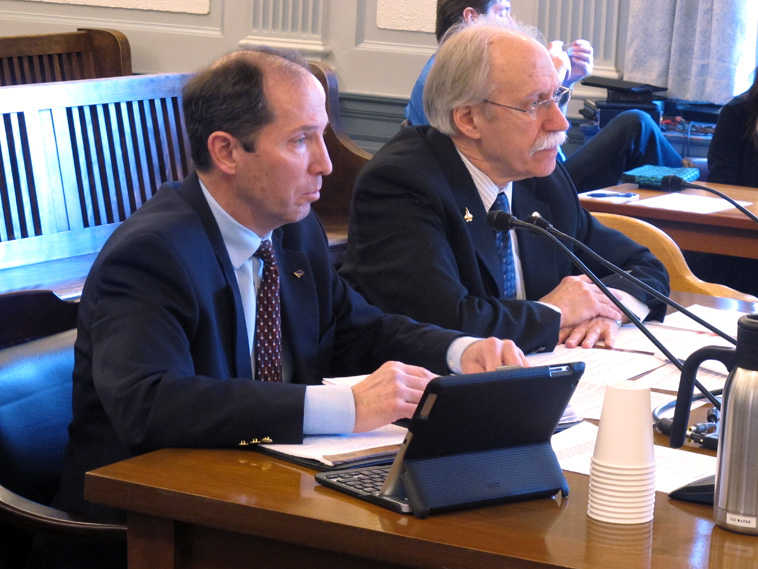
{"points": [[84, 54], [80, 154]]}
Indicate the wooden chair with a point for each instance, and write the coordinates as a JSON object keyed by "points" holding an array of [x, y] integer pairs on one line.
{"points": [[667, 251], [35, 410], [84, 54], [33, 314]]}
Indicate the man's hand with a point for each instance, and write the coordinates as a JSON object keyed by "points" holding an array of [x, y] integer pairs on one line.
{"points": [[560, 59], [588, 333], [579, 300], [491, 353], [390, 393], [581, 56]]}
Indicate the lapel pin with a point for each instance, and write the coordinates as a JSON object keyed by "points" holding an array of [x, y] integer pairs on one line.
{"points": [[467, 217], [299, 273]]}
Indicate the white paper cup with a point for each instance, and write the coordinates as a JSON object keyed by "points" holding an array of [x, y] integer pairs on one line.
{"points": [[613, 495], [625, 433], [616, 469], [622, 481], [614, 519]]}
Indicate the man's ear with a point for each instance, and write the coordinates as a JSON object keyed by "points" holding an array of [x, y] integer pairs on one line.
{"points": [[469, 14], [466, 121], [223, 149]]}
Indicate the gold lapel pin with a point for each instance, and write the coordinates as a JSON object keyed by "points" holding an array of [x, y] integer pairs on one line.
{"points": [[299, 273], [467, 217]]}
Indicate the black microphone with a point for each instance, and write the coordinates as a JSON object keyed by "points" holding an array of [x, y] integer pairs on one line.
{"points": [[676, 436], [537, 219], [503, 221], [675, 184]]}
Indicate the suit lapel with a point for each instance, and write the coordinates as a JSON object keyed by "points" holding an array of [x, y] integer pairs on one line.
{"points": [[298, 306], [469, 205], [537, 253], [191, 191]]}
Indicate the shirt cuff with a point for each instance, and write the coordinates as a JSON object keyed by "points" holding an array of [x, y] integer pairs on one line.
{"points": [[553, 306], [455, 352], [329, 409], [637, 307]]}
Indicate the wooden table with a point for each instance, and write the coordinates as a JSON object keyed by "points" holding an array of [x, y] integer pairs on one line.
{"points": [[727, 232], [235, 508], [238, 508]]}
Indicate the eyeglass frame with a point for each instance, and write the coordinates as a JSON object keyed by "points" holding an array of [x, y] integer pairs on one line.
{"points": [[559, 94]]}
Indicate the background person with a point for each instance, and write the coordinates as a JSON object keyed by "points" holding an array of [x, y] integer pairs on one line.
{"points": [[629, 140]]}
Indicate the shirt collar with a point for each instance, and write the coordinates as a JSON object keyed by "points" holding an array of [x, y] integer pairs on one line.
{"points": [[240, 241], [487, 189]]}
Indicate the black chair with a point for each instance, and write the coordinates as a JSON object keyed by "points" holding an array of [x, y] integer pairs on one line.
{"points": [[35, 410]]}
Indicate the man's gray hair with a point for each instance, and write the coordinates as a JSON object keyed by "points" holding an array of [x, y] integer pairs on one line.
{"points": [[461, 69]]}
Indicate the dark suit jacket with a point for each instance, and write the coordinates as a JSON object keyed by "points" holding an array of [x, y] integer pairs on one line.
{"points": [[412, 250], [162, 355], [732, 154]]}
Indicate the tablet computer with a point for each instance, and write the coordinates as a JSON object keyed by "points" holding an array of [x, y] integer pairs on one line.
{"points": [[474, 439]]}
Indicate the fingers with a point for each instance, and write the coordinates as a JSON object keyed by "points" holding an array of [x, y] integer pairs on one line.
{"points": [[489, 354], [590, 333], [388, 394], [512, 355]]}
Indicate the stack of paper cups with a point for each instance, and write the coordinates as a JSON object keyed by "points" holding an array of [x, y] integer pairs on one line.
{"points": [[622, 471]]}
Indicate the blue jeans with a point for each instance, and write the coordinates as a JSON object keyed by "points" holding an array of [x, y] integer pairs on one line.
{"points": [[630, 139]]}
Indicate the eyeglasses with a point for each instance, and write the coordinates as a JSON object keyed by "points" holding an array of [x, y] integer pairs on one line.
{"points": [[560, 97]]}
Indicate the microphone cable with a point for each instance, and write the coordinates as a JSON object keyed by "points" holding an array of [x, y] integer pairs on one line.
{"points": [[675, 184], [704, 433]]}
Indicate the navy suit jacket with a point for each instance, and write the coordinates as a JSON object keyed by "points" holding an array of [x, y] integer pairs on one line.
{"points": [[419, 244], [162, 358]]}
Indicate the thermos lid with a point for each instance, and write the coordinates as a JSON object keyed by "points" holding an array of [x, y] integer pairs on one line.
{"points": [[747, 342]]}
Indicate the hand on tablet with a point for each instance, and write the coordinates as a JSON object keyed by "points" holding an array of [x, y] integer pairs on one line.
{"points": [[490, 354], [388, 394]]}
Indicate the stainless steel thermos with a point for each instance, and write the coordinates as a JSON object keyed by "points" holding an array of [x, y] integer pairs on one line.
{"points": [[735, 501]]}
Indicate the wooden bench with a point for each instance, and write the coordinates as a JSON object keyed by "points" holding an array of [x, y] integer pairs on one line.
{"points": [[83, 54], [76, 159], [79, 157]]}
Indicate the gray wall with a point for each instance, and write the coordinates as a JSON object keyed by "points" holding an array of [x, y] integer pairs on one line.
{"points": [[376, 46]]}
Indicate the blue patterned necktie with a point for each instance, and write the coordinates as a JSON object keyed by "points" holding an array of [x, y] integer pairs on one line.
{"points": [[505, 249], [268, 329]]}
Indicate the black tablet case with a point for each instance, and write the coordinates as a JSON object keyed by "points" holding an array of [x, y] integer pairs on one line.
{"points": [[486, 438]]}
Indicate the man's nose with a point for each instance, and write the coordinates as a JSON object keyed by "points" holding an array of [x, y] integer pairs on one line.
{"points": [[321, 163], [555, 119]]}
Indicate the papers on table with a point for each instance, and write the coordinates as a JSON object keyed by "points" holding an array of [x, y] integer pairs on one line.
{"points": [[689, 203], [673, 467], [343, 450]]}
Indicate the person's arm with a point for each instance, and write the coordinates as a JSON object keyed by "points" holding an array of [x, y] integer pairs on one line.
{"points": [[628, 255], [401, 258], [581, 56], [727, 145]]}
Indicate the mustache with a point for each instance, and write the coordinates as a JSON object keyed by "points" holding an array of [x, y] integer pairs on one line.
{"points": [[551, 140]]}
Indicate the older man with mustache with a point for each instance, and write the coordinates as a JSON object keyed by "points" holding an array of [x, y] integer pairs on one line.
{"points": [[419, 242]]}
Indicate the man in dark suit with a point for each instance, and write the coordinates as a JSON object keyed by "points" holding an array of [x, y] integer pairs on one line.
{"points": [[179, 315], [419, 242]]}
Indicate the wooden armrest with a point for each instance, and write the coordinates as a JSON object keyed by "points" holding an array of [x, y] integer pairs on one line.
{"points": [[32, 515]]}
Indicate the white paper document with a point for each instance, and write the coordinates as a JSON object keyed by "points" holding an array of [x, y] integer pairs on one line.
{"points": [[689, 203], [332, 450], [673, 467]]}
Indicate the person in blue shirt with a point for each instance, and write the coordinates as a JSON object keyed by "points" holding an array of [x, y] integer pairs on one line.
{"points": [[630, 139]]}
